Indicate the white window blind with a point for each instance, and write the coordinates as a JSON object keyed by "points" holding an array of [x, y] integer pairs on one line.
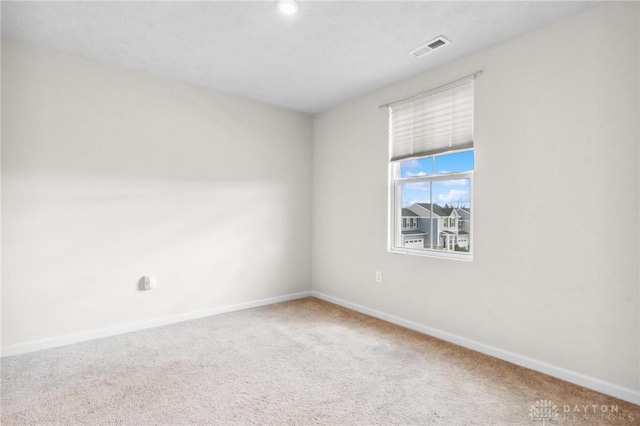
{"points": [[434, 123]]}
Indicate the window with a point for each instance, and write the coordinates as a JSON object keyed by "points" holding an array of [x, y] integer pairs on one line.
{"points": [[431, 171], [433, 197]]}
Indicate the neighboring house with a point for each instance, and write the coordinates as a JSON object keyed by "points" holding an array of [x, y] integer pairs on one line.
{"points": [[426, 225], [413, 235], [464, 228]]}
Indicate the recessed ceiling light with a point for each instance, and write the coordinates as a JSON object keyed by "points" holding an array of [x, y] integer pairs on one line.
{"points": [[288, 7]]}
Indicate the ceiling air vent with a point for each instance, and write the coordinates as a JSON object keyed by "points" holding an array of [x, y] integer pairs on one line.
{"points": [[429, 46]]}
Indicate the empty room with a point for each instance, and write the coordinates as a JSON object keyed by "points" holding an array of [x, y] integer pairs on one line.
{"points": [[320, 212]]}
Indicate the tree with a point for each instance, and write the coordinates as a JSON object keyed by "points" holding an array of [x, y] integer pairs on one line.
{"points": [[460, 204]]}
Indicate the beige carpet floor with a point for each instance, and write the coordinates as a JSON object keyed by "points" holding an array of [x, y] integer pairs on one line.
{"points": [[300, 362]]}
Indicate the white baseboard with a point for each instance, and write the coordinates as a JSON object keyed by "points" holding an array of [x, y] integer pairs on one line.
{"points": [[616, 391], [601, 386], [38, 345]]}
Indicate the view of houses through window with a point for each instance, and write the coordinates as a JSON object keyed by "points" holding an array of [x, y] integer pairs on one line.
{"points": [[435, 197]]}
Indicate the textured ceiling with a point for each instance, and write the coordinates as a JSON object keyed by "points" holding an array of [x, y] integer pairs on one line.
{"points": [[330, 52]]}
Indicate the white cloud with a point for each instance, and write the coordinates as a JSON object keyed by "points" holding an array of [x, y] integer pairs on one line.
{"points": [[418, 186], [411, 164], [411, 174], [454, 195], [411, 201]]}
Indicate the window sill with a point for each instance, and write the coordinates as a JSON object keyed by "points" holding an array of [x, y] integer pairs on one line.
{"points": [[438, 254]]}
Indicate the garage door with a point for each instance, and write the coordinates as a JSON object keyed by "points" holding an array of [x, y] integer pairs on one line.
{"points": [[415, 243]]}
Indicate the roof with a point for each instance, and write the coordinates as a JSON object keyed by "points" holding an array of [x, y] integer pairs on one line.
{"points": [[407, 212], [414, 232], [440, 211]]}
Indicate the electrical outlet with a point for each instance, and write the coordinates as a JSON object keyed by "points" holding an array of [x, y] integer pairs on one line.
{"points": [[148, 282], [378, 276]]}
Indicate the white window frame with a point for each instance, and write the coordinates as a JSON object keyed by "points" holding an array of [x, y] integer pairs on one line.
{"points": [[395, 213]]}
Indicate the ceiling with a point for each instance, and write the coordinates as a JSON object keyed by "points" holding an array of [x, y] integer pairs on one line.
{"points": [[328, 53]]}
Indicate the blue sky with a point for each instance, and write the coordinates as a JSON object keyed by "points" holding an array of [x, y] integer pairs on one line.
{"points": [[452, 192]]}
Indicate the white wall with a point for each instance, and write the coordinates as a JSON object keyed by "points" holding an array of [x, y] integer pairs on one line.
{"points": [[109, 174], [555, 273]]}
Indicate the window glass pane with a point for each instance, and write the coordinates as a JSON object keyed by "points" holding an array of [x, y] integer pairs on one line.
{"points": [[416, 167], [415, 196], [452, 202], [436, 215], [456, 162]]}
